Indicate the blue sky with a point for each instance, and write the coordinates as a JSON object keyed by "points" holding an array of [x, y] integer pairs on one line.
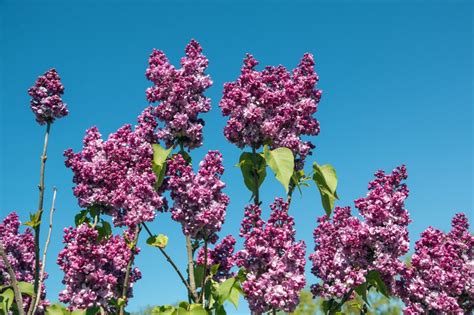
{"points": [[396, 76]]}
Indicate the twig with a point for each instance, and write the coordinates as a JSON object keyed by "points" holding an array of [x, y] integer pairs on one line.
{"points": [[168, 258], [255, 176], [127, 273], [203, 293], [39, 214], [37, 297], [14, 282], [192, 281]]}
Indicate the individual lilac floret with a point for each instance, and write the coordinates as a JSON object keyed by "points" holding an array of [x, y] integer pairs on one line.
{"points": [[223, 255], [274, 261], [273, 106], [347, 248], [181, 95], [199, 203], [116, 174], [46, 102], [20, 250], [440, 279], [94, 268]]}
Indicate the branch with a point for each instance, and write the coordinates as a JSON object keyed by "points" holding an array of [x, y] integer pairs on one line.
{"points": [[37, 297], [14, 282], [168, 258], [126, 282], [255, 176], [40, 208], [192, 281]]}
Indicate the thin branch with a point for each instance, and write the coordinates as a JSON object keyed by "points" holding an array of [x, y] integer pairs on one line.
{"points": [[14, 282], [255, 176], [203, 293], [40, 207], [126, 282], [37, 297], [192, 281], [168, 258]]}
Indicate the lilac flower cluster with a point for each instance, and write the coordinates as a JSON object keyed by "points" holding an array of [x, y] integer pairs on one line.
{"points": [[222, 254], [274, 261], [116, 174], [440, 279], [94, 268], [46, 102], [181, 93], [272, 106], [348, 248], [199, 203], [20, 250]]}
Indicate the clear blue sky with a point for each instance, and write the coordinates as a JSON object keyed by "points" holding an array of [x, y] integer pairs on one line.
{"points": [[396, 76]]}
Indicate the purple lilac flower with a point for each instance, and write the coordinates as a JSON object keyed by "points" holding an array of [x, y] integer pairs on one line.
{"points": [[20, 250], [273, 106], [94, 268], [347, 248], [46, 102], [273, 260], [440, 279], [181, 95], [222, 254], [199, 203], [116, 174]]}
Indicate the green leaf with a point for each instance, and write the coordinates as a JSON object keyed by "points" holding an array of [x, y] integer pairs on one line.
{"points": [[164, 310], [81, 217], [224, 289], [235, 295], [7, 299], [282, 163], [56, 309], [160, 155], [26, 288], [34, 220], [198, 275], [326, 179], [89, 311], [361, 290], [160, 241], [373, 277], [248, 170], [214, 269], [221, 310]]}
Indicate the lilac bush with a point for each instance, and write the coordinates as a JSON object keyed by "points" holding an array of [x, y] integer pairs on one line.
{"points": [[347, 248], [116, 175], [125, 178], [181, 95], [272, 106], [199, 203], [20, 251], [273, 260], [94, 268], [440, 278], [222, 255], [46, 102]]}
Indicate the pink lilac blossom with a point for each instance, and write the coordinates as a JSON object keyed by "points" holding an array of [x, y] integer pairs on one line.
{"points": [[274, 261], [20, 250], [440, 279], [223, 255], [347, 248], [181, 95], [199, 203], [273, 106], [116, 174], [94, 269], [46, 102]]}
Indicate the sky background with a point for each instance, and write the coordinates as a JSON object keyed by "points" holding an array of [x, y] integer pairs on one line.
{"points": [[396, 80]]}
